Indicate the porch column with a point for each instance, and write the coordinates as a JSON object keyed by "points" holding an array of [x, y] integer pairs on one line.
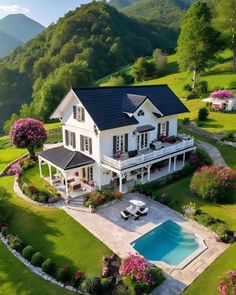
{"points": [[148, 169], [67, 190], [50, 172], [40, 168], [183, 159], [120, 184], [169, 168], [142, 175], [175, 163]]}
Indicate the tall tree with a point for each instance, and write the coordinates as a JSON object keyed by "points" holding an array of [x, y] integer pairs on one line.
{"points": [[198, 41], [226, 24]]}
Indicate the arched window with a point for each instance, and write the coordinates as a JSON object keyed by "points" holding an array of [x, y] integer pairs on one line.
{"points": [[141, 113]]}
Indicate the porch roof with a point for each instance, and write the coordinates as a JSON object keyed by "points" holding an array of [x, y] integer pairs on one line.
{"points": [[65, 158], [145, 128]]}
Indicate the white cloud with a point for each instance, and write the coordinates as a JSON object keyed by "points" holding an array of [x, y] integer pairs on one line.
{"points": [[13, 9]]}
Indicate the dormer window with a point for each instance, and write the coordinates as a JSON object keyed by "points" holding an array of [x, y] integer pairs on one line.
{"points": [[140, 113], [78, 113]]}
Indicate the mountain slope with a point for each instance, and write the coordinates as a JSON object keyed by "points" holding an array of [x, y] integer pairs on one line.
{"points": [[20, 26], [95, 36], [119, 4], [7, 43]]}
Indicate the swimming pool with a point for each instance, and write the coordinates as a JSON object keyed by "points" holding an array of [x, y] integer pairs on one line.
{"points": [[170, 244]]}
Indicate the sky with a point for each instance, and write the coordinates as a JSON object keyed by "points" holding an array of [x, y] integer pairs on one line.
{"points": [[43, 11]]}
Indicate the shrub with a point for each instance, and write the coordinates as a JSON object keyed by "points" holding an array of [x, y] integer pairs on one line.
{"points": [[211, 182], [43, 198], [227, 285], [202, 87], [191, 96], [203, 114], [90, 285], [232, 85], [63, 274], [37, 259], [15, 243], [105, 284], [187, 87], [48, 266], [28, 252], [120, 289], [186, 121]]}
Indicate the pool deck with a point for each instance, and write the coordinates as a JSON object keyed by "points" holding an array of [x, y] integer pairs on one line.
{"points": [[107, 225]]}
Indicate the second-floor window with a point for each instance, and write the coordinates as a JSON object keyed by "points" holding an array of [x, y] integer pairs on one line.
{"points": [[86, 144], [120, 143], [142, 141], [70, 138], [163, 128], [78, 113]]}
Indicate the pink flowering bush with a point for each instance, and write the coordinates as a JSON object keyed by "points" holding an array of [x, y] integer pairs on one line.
{"points": [[222, 94], [135, 268], [28, 133], [212, 183], [14, 169], [227, 285]]}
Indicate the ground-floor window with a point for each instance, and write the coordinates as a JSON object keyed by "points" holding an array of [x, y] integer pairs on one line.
{"points": [[88, 173]]}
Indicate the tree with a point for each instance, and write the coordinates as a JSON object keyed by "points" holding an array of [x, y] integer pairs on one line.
{"points": [[203, 114], [116, 81], [160, 60], [142, 69], [28, 133], [198, 41], [226, 24]]}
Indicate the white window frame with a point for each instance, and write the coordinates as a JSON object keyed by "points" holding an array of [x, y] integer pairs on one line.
{"points": [[141, 113], [120, 143], [86, 143], [163, 128], [142, 141], [79, 114], [70, 138]]}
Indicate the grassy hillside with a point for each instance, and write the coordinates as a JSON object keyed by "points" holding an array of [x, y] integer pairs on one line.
{"points": [[219, 76]]}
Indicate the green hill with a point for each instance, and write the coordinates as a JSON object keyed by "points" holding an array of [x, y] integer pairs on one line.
{"points": [[93, 40], [20, 27], [7, 43]]}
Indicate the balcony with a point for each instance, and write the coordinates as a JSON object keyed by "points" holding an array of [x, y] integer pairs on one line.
{"points": [[149, 155]]}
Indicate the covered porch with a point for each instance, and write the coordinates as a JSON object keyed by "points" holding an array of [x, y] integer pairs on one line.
{"points": [[70, 172]]}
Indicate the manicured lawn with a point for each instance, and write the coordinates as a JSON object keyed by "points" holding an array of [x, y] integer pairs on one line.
{"points": [[54, 234], [208, 281], [16, 279], [9, 154]]}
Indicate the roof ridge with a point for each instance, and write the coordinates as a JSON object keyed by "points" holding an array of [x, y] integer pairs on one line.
{"points": [[71, 158], [109, 87]]}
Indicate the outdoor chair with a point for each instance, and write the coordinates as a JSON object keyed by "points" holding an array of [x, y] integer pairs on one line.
{"points": [[133, 212], [125, 214], [143, 211]]}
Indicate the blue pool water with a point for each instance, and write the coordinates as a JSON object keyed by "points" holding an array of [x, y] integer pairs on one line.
{"points": [[168, 242]]}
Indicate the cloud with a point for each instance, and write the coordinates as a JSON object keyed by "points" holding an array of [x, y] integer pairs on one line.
{"points": [[13, 9]]}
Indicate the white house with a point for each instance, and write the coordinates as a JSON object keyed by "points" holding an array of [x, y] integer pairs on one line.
{"points": [[115, 135], [223, 104]]}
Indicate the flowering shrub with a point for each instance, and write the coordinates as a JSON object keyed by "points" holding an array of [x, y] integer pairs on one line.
{"points": [[28, 133], [227, 285], [136, 269], [14, 169], [211, 182], [102, 196], [222, 94]]}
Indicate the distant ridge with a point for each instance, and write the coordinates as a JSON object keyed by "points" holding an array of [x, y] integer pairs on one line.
{"points": [[8, 43], [20, 27]]}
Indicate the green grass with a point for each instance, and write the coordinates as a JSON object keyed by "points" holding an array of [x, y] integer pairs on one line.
{"points": [[16, 279], [54, 234], [9, 154]]}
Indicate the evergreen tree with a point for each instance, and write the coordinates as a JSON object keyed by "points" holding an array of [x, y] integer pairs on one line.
{"points": [[226, 24], [198, 41]]}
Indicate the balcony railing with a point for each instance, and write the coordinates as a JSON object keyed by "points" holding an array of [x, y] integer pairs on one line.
{"points": [[149, 155]]}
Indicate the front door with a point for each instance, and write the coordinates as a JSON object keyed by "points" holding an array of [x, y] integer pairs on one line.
{"points": [[142, 141]]}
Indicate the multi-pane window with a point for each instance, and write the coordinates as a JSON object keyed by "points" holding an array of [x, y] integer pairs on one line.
{"points": [[163, 128], [70, 138], [88, 173], [78, 113], [86, 144], [120, 143], [142, 141], [140, 113]]}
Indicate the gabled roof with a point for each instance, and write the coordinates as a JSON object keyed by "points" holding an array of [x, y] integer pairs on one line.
{"points": [[66, 159], [131, 102], [107, 105]]}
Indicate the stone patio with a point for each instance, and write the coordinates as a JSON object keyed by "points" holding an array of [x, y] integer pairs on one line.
{"points": [[107, 225]]}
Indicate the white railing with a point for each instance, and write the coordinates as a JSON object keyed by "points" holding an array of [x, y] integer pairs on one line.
{"points": [[149, 156]]}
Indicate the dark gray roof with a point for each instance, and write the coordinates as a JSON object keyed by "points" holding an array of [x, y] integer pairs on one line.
{"points": [[66, 159], [145, 128], [106, 104], [131, 102]]}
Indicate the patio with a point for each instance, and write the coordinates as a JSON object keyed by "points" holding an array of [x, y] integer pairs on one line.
{"points": [[118, 234]]}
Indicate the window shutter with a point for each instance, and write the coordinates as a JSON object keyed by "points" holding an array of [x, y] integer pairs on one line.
{"points": [[73, 140], [126, 142], [114, 144], [83, 173], [167, 128], [74, 112], [67, 137], [82, 114], [81, 143], [159, 131], [90, 146]]}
